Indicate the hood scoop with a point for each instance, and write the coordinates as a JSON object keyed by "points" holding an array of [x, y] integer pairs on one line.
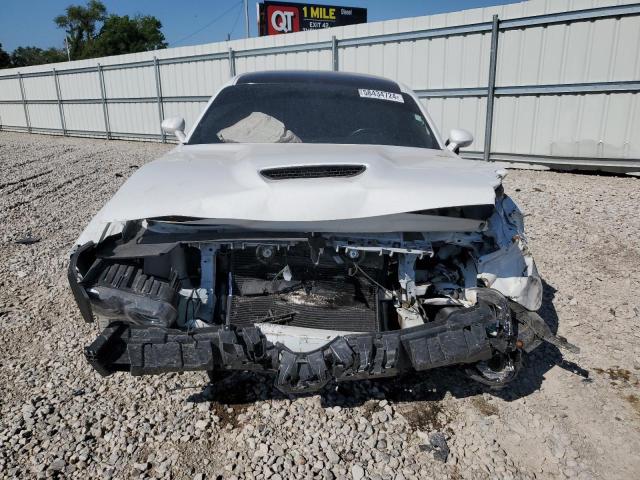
{"points": [[312, 171]]}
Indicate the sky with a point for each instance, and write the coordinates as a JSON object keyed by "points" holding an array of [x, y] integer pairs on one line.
{"points": [[190, 22]]}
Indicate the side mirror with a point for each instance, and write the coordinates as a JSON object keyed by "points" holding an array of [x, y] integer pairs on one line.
{"points": [[459, 138], [174, 125]]}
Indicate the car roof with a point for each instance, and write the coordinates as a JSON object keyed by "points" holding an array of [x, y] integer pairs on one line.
{"points": [[357, 80]]}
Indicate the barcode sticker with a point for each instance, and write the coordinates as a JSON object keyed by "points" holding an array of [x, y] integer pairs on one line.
{"points": [[380, 95]]}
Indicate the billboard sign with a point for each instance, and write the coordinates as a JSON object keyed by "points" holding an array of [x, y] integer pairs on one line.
{"points": [[275, 18]]}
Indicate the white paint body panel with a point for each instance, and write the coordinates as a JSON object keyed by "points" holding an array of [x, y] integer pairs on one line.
{"points": [[223, 181], [299, 339]]}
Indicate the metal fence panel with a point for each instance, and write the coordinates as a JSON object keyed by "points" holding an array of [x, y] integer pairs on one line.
{"points": [[567, 78], [84, 117], [44, 116], [593, 126], [130, 83], [193, 78], [78, 85], [313, 60], [9, 90], [582, 52], [12, 114], [133, 118], [39, 88], [467, 113]]}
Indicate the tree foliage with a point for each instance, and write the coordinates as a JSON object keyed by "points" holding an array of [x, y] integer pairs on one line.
{"points": [[5, 58], [117, 35], [24, 56], [92, 32], [122, 34], [79, 23]]}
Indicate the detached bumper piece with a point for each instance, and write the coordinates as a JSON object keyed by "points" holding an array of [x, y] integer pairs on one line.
{"points": [[124, 291], [533, 330], [467, 335]]}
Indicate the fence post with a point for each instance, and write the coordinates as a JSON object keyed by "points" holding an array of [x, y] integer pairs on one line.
{"points": [[334, 54], [156, 66], [232, 63], [105, 109], [59, 97], [493, 62], [24, 103]]}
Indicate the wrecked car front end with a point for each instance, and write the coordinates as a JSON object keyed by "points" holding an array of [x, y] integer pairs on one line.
{"points": [[327, 247], [177, 294]]}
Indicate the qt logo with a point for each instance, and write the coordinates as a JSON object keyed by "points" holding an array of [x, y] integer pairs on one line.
{"points": [[283, 19]]}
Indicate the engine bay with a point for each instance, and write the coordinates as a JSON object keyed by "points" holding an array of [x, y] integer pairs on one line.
{"points": [[337, 282], [182, 293]]}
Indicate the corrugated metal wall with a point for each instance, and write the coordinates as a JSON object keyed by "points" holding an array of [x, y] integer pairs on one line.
{"points": [[448, 65]]}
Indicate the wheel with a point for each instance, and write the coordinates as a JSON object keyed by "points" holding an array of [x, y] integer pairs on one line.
{"points": [[498, 371]]}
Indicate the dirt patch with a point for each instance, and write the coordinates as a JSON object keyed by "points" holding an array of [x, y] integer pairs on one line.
{"points": [[228, 414], [484, 406], [426, 416], [618, 374], [634, 400], [370, 408]]}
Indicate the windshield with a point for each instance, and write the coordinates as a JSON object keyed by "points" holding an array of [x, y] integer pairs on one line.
{"points": [[313, 113]]}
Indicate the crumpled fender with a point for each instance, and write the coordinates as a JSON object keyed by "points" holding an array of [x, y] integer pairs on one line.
{"points": [[511, 269]]}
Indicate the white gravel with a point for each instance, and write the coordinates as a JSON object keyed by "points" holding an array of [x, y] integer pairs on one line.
{"points": [[575, 418]]}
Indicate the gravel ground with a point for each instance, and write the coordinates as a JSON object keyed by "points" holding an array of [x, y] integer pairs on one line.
{"points": [[574, 416]]}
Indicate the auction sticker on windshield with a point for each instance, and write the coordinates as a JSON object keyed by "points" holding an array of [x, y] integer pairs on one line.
{"points": [[379, 94]]}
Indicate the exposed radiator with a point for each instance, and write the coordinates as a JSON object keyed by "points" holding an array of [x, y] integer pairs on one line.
{"points": [[316, 296]]}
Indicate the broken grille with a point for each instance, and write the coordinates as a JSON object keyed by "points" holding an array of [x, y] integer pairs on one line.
{"points": [[319, 296], [315, 171]]}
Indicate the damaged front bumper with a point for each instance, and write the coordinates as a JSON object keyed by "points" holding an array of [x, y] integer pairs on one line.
{"points": [[466, 336]]}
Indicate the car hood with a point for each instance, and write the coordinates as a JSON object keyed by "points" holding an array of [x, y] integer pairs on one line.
{"points": [[223, 181]]}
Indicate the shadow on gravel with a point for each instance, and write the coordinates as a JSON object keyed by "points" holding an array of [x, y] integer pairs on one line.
{"points": [[543, 358], [241, 388]]}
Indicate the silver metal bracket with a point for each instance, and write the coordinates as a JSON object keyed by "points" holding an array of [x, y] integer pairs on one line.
{"points": [[207, 280], [407, 278]]}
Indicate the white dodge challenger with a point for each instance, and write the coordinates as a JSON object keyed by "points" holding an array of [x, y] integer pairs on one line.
{"points": [[314, 225]]}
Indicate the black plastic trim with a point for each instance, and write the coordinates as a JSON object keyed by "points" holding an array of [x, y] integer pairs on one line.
{"points": [[79, 294], [345, 79], [466, 336], [312, 171]]}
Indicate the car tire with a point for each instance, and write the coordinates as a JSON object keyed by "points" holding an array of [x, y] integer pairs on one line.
{"points": [[497, 372]]}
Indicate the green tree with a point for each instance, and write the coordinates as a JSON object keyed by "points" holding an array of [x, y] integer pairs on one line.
{"points": [[122, 34], [25, 56], [5, 58], [117, 35], [79, 23]]}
